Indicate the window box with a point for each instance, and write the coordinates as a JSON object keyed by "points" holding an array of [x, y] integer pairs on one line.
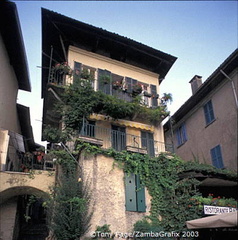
{"points": [[95, 141], [136, 149]]}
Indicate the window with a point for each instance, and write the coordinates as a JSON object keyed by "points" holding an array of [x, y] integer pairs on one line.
{"points": [[118, 135], [208, 112], [135, 194], [77, 71], [181, 135], [147, 141], [216, 156], [104, 81], [154, 98], [88, 129]]}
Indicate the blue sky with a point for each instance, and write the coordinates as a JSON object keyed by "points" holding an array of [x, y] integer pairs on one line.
{"points": [[201, 34]]}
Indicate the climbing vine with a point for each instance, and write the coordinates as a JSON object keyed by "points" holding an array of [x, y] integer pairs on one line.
{"points": [[79, 100], [174, 199]]}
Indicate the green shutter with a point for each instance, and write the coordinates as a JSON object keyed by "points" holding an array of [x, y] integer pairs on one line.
{"points": [[130, 187], [154, 100], [140, 193], [105, 88], [77, 71]]}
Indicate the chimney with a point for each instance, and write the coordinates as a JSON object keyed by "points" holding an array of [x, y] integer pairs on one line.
{"points": [[196, 83]]}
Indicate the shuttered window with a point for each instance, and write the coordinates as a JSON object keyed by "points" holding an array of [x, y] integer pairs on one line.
{"points": [[208, 112], [135, 194], [154, 99], [216, 155], [181, 135], [130, 82], [147, 141], [104, 81], [77, 71]]}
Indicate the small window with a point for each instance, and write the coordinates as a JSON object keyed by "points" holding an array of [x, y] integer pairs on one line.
{"points": [[181, 135], [216, 156], [208, 112], [135, 194]]}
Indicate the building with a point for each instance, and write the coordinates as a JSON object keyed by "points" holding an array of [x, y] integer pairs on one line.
{"points": [[204, 128], [16, 137], [122, 63]]}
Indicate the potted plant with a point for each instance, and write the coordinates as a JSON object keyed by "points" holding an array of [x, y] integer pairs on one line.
{"points": [[136, 89], [116, 85], [147, 94], [85, 74], [106, 79], [63, 68]]}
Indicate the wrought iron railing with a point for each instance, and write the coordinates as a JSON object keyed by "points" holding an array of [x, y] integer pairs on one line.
{"points": [[120, 140]]}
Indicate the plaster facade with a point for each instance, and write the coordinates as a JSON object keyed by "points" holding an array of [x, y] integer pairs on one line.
{"points": [[201, 138], [107, 188], [8, 93]]}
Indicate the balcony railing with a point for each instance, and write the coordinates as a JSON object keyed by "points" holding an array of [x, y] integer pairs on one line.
{"points": [[120, 141]]}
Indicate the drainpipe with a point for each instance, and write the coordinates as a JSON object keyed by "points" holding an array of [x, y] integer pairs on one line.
{"points": [[233, 87]]}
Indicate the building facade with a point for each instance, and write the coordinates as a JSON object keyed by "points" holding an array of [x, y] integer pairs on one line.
{"points": [[116, 66], [16, 137], [204, 128]]}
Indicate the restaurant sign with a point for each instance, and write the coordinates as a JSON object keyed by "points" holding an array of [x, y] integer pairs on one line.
{"points": [[211, 210]]}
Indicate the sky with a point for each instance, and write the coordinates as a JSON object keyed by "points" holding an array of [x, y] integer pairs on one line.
{"points": [[201, 34]]}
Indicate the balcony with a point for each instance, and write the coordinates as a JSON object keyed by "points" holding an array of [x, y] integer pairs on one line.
{"points": [[119, 140]]}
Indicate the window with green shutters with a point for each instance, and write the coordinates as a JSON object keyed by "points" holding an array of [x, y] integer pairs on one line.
{"points": [[147, 142], [77, 71], [135, 194], [154, 99], [104, 81]]}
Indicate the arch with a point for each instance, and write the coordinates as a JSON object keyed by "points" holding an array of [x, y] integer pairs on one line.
{"points": [[22, 190]]}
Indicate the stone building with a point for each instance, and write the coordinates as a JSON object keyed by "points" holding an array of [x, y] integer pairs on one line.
{"points": [[125, 65]]}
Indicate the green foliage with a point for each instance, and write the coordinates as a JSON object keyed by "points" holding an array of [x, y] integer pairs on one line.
{"points": [[79, 100], [104, 232], [173, 198], [215, 201], [69, 215], [144, 226], [54, 135]]}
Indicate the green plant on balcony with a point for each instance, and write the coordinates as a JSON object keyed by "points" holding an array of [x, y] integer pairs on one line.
{"points": [[62, 68], [105, 79], [79, 100], [136, 89], [85, 74], [214, 201], [116, 85]]}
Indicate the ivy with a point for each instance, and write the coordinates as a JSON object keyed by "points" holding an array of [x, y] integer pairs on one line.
{"points": [[79, 101], [173, 198]]}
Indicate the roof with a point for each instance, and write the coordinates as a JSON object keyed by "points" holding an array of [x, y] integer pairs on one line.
{"points": [[214, 80], [60, 31], [216, 221], [10, 31], [25, 123]]}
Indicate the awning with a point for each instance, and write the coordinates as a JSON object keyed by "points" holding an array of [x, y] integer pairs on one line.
{"points": [[217, 221]]}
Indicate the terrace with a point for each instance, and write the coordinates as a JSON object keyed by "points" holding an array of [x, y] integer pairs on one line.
{"points": [[118, 139]]}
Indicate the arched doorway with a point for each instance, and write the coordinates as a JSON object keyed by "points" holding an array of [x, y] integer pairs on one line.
{"points": [[23, 215]]}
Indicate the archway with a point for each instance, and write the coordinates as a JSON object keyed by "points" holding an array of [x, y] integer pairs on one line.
{"points": [[23, 214]]}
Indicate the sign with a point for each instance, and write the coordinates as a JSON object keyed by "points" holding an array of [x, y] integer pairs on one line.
{"points": [[211, 210]]}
